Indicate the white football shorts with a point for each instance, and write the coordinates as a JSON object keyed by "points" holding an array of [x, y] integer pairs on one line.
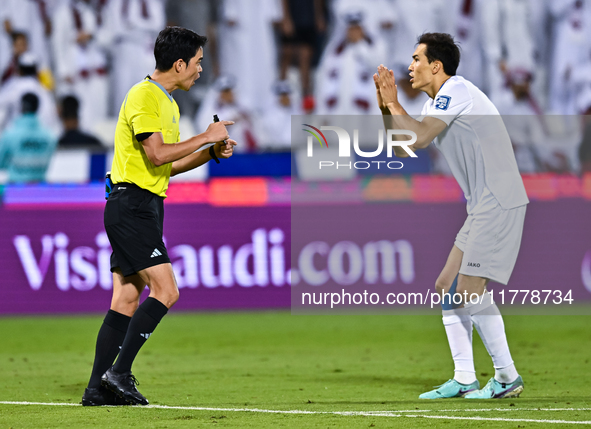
{"points": [[490, 241]]}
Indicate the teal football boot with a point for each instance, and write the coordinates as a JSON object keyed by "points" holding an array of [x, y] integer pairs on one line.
{"points": [[451, 389], [497, 390]]}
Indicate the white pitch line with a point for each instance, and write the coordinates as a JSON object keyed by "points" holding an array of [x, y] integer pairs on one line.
{"points": [[359, 413], [55, 404], [459, 410]]}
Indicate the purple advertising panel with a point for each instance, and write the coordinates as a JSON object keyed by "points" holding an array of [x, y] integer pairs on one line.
{"points": [[376, 258], [56, 260]]}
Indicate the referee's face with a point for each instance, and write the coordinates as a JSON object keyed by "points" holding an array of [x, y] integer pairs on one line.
{"points": [[190, 73]]}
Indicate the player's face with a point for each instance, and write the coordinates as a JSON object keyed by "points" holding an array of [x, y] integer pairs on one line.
{"points": [[420, 69], [191, 73]]}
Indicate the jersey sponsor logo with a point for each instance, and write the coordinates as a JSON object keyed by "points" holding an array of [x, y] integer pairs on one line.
{"points": [[442, 102], [474, 264]]}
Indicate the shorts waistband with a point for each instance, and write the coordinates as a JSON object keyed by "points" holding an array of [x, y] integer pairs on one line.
{"points": [[124, 185]]}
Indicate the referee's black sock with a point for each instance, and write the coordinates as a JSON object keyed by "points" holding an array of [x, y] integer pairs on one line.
{"points": [[108, 344], [142, 324]]}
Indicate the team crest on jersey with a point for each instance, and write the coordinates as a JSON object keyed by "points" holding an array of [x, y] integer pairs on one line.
{"points": [[442, 102]]}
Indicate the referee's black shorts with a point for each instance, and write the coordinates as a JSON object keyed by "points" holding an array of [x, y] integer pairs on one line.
{"points": [[133, 220]]}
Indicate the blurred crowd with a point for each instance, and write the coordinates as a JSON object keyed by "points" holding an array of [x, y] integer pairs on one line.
{"points": [[267, 60]]}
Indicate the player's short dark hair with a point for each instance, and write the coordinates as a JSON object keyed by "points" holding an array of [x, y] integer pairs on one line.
{"points": [[29, 103], [70, 106], [441, 47], [176, 43]]}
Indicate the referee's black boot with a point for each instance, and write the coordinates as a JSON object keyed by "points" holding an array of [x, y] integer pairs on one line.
{"points": [[96, 396], [123, 385]]}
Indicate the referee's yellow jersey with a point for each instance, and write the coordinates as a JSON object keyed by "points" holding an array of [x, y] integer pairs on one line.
{"points": [[147, 108]]}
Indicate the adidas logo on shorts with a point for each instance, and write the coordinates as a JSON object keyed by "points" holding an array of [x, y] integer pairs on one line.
{"points": [[155, 253]]}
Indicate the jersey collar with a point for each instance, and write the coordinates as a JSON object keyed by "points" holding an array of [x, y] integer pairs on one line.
{"points": [[161, 87], [443, 84]]}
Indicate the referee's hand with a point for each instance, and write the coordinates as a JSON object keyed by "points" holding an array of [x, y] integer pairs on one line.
{"points": [[216, 131], [225, 149]]}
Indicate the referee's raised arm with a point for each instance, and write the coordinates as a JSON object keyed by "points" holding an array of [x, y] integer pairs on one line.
{"points": [[160, 153]]}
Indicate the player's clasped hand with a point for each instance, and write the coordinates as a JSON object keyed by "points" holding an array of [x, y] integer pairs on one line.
{"points": [[217, 131], [386, 89]]}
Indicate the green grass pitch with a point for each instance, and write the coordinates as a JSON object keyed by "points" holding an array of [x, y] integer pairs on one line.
{"points": [[320, 366]]}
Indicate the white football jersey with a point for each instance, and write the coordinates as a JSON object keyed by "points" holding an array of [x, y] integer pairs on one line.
{"points": [[476, 145]]}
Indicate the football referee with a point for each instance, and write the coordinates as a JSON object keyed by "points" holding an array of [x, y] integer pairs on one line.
{"points": [[148, 151]]}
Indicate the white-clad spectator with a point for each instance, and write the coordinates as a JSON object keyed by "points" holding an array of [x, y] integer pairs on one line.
{"points": [[247, 48], [516, 35], [542, 143], [28, 82], [20, 45], [571, 45], [275, 122], [582, 81], [415, 18], [80, 63], [478, 30], [31, 17], [201, 17], [222, 100], [524, 120], [517, 45], [130, 28], [345, 84], [380, 18], [540, 26]]}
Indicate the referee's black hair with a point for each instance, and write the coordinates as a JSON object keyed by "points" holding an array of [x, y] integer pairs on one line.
{"points": [[176, 43], [441, 47]]}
